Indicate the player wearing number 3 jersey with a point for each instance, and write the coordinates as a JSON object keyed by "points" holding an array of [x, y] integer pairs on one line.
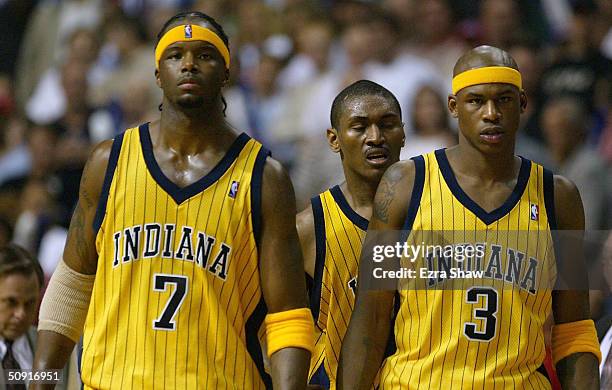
{"points": [[182, 246], [483, 333]]}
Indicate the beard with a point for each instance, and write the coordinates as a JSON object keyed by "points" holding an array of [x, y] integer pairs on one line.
{"points": [[190, 102]]}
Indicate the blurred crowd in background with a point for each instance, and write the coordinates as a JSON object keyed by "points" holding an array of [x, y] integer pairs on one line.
{"points": [[75, 72]]}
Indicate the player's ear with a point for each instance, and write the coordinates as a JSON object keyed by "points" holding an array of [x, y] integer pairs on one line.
{"points": [[332, 140], [157, 81], [523, 100], [226, 78], [403, 135], [452, 105]]}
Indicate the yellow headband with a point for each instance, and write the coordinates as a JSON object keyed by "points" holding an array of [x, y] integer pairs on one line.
{"points": [[489, 74], [191, 32]]}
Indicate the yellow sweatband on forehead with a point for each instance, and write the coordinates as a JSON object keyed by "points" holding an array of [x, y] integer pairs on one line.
{"points": [[191, 32], [487, 75]]}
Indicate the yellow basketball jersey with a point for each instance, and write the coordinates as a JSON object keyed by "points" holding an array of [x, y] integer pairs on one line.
{"points": [[339, 233], [486, 334], [177, 302]]}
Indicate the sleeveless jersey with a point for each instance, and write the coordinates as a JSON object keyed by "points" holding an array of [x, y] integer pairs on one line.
{"points": [[485, 333], [339, 233], [177, 301]]}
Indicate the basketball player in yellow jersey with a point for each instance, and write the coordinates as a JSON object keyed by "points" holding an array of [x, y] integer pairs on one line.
{"points": [[479, 337], [185, 232], [368, 133]]}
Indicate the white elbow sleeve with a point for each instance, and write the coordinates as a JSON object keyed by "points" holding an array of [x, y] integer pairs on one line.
{"points": [[66, 301]]}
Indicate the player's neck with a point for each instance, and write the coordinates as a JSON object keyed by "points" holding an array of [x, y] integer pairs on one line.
{"points": [[190, 134], [489, 167], [359, 193]]}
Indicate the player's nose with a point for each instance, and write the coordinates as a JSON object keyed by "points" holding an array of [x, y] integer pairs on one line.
{"points": [[374, 135], [188, 64], [491, 112]]}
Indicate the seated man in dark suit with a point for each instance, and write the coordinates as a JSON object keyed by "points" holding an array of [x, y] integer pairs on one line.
{"points": [[21, 281]]}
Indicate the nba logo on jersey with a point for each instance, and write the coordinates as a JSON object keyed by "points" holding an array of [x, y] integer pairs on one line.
{"points": [[233, 189], [188, 31], [535, 211]]}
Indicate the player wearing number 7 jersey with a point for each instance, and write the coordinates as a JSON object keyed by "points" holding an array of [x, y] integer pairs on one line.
{"points": [[489, 334], [185, 232]]}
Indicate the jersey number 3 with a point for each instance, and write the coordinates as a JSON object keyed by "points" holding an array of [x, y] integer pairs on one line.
{"points": [[160, 282], [486, 314]]}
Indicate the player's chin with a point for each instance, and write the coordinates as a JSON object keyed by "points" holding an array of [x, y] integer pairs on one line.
{"points": [[375, 172], [494, 147], [189, 101]]}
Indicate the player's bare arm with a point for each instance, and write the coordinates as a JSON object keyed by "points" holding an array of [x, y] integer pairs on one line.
{"points": [[54, 349], [578, 370], [305, 229], [364, 345], [281, 269]]}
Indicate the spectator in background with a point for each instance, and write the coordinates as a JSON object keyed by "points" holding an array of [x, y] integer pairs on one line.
{"points": [[40, 154], [48, 102], [14, 157], [7, 99], [528, 57], [529, 140], [579, 70], [402, 73], [73, 129], [435, 38], [564, 124], [14, 16], [430, 123], [296, 15], [373, 51], [38, 213], [347, 12], [21, 282], [43, 46], [602, 28], [6, 232], [258, 107], [499, 23], [124, 57], [605, 142], [405, 12], [252, 35], [312, 58]]}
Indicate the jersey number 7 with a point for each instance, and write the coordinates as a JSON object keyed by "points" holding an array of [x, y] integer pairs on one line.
{"points": [[160, 281]]}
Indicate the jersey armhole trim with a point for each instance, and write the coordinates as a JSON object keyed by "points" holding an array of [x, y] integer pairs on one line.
{"points": [[251, 328], [417, 192], [256, 193], [108, 179], [319, 226], [549, 198]]}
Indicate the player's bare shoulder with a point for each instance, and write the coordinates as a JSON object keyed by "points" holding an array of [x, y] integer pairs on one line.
{"points": [[277, 189], [94, 172], [395, 188], [569, 210], [306, 232]]}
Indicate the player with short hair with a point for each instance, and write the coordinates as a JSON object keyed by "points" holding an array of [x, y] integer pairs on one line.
{"points": [[490, 334], [184, 238], [368, 133]]}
